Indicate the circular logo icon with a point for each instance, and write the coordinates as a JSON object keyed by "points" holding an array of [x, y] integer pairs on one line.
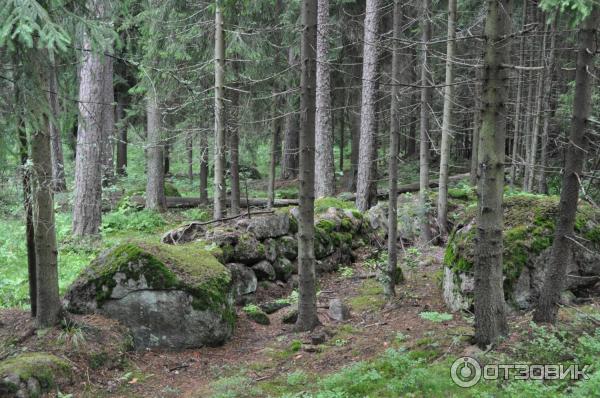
{"points": [[465, 372]]}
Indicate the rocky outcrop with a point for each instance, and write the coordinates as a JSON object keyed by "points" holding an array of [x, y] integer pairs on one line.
{"points": [[529, 222], [33, 374], [168, 295]]}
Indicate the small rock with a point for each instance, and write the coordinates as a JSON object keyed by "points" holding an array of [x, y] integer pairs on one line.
{"points": [[310, 348], [273, 306], [264, 270], [257, 315], [338, 310], [567, 298], [33, 387], [291, 316], [318, 338]]}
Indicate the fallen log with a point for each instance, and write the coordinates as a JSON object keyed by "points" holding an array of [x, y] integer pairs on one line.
{"points": [[189, 202]]}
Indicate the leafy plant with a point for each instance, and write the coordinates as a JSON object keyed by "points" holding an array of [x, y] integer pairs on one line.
{"points": [[437, 317]]}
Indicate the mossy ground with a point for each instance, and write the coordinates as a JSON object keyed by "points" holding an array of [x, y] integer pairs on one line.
{"points": [[44, 367]]}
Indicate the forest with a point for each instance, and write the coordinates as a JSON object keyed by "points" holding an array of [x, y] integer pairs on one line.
{"points": [[299, 198]]}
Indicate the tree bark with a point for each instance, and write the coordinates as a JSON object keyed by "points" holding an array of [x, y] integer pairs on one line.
{"points": [[556, 273], [26, 180], [155, 185], [203, 168], [122, 140], [476, 129], [48, 300], [219, 160], [58, 163], [307, 303], [389, 287], [234, 142], [189, 148], [324, 164], [490, 316], [424, 122], [442, 216], [87, 212], [547, 103], [367, 109], [518, 106], [108, 120]]}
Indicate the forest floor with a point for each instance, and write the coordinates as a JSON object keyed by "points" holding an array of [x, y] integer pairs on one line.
{"points": [[264, 360]]}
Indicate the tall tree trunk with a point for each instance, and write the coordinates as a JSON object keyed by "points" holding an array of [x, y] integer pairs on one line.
{"points": [[108, 121], [518, 106], [58, 163], [445, 147], [307, 304], [27, 194], [122, 140], [342, 135], [530, 166], [389, 286], [547, 103], [155, 185], [289, 161], [490, 316], [189, 148], [48, 300], [556, 273], [424, 122], [411, 147], [325, 177], [355, 129], [167, 155], [219, 169], [367, 110], [234, 143], [203, 152], [87, 209], [476, 129]]}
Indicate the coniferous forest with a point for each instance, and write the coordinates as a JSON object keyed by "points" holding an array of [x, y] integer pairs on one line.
{"points": [[299, 198]]}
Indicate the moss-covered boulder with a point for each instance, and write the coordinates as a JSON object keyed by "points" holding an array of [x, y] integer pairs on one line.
{"points": [[255, 313], [174, 296], [33, 374], [529, 222]]}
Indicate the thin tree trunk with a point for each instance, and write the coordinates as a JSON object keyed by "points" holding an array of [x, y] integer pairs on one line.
{"points": [[289, 163], [367, 109], [219, 168], [276, 127], [547, 103], [108, 121], [48, 300], [87, 214], [27, 194], [58, 164], [167, 155], [424, 122], [122, 140], [307, 304], [325, 177], [355, 135], [155, 186], [189, 148], [342, 136], [389, 286], [411, 148], [203, 167], [530, 167], [517, 121], [445, 147], [476, 129], [556, 273], [490, 316]]}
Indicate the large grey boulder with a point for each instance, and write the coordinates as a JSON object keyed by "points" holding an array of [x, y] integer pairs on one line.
{"points": [[172, 296], [527, 240], [243, 279], [266, 226]]}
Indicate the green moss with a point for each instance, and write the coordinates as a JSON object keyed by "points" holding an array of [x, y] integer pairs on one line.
{"points": [[171, 190], [594, 235], [342, 238], [370, 297], [322, 204], [256, 314], [191, 268], [46, 368], [346, 225], [327, 225]]}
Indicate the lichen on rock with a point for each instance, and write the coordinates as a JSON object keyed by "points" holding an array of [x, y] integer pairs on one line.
{"points": [[31, 374]]}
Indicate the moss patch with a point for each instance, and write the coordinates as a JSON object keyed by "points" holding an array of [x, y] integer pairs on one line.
{"points": [[322, 204], [370, 297], [46, 368], [191, 268], [529, 222]]}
